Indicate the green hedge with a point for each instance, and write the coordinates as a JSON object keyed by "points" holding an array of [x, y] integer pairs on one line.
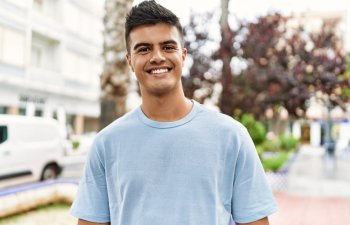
{"points": [[255, 128], [274, 163]]}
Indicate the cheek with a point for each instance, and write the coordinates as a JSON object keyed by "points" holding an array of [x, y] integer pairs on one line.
{"points": [[138, 64]]}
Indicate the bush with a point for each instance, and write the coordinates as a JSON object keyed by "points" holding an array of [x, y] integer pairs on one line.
{"points": [[273, 145], [275, 162], [255, 128], [288, 142], [75, 145]]}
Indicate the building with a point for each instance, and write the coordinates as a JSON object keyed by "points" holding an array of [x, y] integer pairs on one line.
{"points": [[50, 60]]}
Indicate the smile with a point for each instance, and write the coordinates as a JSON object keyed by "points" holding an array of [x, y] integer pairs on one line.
{"points": [[159, 71]]}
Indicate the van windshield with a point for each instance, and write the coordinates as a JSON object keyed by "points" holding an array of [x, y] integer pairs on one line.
{"points": [[3, 134]]}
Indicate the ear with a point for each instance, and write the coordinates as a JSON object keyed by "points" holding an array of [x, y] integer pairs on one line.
{"points": [[184, 54], [128, 59]]}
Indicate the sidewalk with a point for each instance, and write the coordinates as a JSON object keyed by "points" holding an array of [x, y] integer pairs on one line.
{"points": [[306, 210], [314, 195], [313, 174]]}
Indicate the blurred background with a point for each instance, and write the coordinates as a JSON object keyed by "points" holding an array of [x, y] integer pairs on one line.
{"points": [[280, 67]]}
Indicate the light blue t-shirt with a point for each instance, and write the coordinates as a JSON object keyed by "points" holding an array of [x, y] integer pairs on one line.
{"points": [[200, 170]]}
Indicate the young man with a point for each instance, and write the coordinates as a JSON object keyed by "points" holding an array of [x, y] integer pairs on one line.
{"points": [[170, 161]]}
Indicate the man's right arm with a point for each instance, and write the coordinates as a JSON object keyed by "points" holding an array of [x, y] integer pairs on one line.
{"points": [[84, 222]]}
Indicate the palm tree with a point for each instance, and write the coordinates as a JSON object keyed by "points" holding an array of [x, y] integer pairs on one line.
{"points": [[115, 78]]}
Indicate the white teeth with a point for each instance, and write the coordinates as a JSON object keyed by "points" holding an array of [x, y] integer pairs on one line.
{"points": [[159, 71]]}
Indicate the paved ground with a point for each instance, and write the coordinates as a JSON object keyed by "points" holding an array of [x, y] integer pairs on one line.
{"points": [[315, 174], [307, 210], [318, 190]]}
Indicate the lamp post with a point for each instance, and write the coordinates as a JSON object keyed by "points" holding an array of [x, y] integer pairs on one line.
{"points": [[320, 109], [329, 145]]}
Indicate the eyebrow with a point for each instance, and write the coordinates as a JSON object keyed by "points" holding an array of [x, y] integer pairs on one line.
{"points": [[148, 44]]}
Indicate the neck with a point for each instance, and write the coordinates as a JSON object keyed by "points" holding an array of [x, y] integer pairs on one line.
{"points": [[166, 108]]}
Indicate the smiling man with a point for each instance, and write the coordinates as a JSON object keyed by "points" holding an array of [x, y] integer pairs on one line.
{"points": [[171, 161]]}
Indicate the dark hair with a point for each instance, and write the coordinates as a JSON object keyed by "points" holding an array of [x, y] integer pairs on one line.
{"points": [[149, 12]]}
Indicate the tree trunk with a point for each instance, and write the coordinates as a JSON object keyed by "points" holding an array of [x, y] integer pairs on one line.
{"points": [[115, 78], [226, 53]]}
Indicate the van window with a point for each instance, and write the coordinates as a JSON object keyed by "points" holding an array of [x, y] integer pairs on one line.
{"points": [[3, 134]]}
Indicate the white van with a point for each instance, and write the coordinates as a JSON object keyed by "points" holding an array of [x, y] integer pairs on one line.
{"points": [[31, 149]]}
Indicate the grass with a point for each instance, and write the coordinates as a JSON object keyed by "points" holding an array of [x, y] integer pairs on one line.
{"points": [[17, 219]]}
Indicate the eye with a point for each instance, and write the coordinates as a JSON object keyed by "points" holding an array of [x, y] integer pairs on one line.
{"points": [[143, 49], [169, 47]]}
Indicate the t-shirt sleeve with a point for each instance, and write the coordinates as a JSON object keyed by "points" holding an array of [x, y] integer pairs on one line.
{"points": [[91, 200], [252, 198]]}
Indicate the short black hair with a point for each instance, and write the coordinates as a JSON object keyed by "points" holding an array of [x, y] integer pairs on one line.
{"points": [[150, 13]]}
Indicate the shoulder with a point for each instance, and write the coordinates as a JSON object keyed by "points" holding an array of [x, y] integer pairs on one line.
{"points": [[219, 120]]}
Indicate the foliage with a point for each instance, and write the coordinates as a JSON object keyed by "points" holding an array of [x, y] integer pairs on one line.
{"points": [[273, 145], [274, 163], [288, 142], [281, 148], [75, 145], [283, 65], [198, 84], [287, 65], [345, 90], [285, 143], [255, 128]]}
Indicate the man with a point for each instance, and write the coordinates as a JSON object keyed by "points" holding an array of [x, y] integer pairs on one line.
{"points": [[170, 161]]}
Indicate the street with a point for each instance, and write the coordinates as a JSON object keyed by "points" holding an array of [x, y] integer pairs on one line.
{"points": [[73, 168]]}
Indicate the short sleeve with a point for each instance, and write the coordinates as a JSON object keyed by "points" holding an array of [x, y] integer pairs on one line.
{"points": [[252, 198], [91, 200]]}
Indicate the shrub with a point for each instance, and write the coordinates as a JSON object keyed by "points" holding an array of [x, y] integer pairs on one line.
{"points": [[273, 145], [75, 145], [275, 162], [255, 128], [288, 142]]}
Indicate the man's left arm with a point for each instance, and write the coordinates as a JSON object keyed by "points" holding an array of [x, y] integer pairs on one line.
{"points": [[263, 221]]}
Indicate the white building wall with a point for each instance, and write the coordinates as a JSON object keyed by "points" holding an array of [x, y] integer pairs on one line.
{"points": [[50, 55], [344, 136], [315, 133]]}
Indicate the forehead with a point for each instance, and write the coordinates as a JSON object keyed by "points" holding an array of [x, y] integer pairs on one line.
{"points": [[154, 34]]}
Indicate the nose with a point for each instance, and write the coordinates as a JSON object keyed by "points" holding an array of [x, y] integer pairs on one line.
{"points": [[157, 56]]}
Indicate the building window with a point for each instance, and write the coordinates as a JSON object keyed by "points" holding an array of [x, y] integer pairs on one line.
{"points": [[3, 134], [36, 56], [38, 112], [22, 111], [3, 110], [44, 52], [12, 47]]}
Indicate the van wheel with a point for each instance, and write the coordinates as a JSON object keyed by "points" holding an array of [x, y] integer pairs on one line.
{"points": [[50, 172]]}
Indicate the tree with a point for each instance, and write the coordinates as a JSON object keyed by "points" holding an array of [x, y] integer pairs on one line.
{"points": [[345, 78], [284, 65], [287, 66], [115, 78], [225, 53], [198, 84]]}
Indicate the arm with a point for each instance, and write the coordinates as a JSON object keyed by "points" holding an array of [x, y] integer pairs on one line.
{"points": [[263, 221], [84, 222]]}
